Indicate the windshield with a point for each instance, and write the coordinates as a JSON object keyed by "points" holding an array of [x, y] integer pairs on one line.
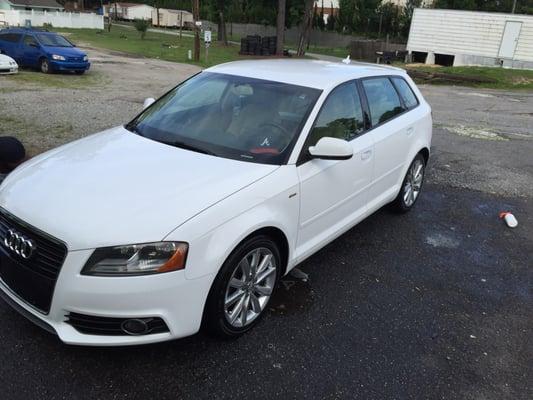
{"points": [[52, 40], [229, 116]]}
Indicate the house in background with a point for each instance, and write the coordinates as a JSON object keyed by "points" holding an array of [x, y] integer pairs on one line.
{"points": [[29, 5], [451, 37], [330, 7], [117, 10], [139, 11], [172, 18]]}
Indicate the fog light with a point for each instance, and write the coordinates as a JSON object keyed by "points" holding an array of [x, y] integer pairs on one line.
{"points": [[134, 327]]}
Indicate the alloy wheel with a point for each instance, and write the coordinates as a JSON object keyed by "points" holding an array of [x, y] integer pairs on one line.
{"points": [[250, 287], [413, 183]]}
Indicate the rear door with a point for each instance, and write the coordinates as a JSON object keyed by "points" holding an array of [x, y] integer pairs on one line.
{"points": [[334, 193], [392, 132]]}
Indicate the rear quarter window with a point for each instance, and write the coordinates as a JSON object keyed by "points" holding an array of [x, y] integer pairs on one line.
{"points": [[406, 93]]}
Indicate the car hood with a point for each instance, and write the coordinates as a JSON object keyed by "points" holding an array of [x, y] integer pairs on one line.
{"points": [[5, 59], [118, 188], [65, 51]]}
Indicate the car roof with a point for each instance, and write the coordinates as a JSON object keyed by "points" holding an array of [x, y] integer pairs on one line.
{"points": [[311, 73]]}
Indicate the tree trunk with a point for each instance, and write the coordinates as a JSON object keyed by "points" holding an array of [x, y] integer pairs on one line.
{"points": [[280, 31], [196, 18], [221, 23], [305, 32]]}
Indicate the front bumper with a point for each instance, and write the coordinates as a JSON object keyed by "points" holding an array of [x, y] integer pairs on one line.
{"points": [[8, 70], [178, 301], [69, 65]]}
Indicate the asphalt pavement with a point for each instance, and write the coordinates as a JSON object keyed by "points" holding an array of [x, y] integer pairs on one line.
{"points": [[434, 304]]}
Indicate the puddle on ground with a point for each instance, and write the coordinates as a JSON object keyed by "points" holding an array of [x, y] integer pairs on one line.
{"points": [[292, 296], [475, 133]]}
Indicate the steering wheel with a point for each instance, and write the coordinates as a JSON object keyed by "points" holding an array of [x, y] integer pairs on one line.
{"points": [[270, 143]]}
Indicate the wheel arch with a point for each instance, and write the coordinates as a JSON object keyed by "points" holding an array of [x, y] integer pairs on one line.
{"points": [[425, 153], [278, 236]]}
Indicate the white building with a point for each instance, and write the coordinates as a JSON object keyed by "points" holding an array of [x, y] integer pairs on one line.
{"points": [[451, 37], [171, 18], [140, 11]]}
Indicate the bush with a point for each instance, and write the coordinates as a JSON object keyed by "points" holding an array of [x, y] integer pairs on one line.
{"points": [[142, 26]]}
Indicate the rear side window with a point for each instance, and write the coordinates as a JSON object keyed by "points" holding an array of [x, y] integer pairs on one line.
{"points": [[10, 37], [406, 93], [383, 99], [341, 116]]}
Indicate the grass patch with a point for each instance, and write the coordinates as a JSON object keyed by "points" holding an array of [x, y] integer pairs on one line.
{"points": [[498, 78], [154, 45], [56, 81]]}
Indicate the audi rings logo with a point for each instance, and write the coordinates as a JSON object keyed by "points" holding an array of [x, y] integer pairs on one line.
{"points": [[19, 245]]}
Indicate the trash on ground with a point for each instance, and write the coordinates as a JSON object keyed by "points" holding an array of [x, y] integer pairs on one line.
{"points": [[509, 219], [299, 274]]}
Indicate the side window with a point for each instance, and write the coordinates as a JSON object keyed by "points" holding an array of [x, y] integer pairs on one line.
{"points": [[406, 93], [29, 40], [10, 37], [383, 99], [341, 116]]}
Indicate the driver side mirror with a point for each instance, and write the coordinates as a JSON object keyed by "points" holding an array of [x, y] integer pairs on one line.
{"points": [[148, 102], [329, 148], [34, 45]]}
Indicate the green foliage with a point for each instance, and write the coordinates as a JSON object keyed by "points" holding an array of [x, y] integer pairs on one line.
{"points": [[142, 26]]}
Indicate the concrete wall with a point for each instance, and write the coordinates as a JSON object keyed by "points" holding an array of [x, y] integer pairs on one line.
{"points": [[57, 19], [474, 38]]}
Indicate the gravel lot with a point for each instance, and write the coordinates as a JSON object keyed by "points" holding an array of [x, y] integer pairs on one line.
{"points": [[435, 304]]}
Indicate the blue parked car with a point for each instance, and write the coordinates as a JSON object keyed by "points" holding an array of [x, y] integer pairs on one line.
{"points": [[47, 51]]}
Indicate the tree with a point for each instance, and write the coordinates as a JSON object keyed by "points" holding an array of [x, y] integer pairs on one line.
{"points": [[280, 27], [142, 26], [305, 31], [220, 13]]}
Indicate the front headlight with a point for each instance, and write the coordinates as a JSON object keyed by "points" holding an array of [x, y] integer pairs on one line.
{"points": [[58, 57], [85, 58], [137, 259]]}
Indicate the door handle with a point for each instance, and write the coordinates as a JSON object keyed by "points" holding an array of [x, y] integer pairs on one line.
{"points": [[365, 155], [410, 131]]}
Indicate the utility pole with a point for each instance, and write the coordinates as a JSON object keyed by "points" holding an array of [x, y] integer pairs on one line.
{"points": [[280, 27], [196, 18], [514, 7]]}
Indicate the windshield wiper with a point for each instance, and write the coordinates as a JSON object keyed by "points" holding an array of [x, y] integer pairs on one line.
{"points": [[186, 146]]}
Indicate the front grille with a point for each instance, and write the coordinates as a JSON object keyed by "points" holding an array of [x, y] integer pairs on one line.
{"points": [[92, 325], [31, 279], [75, 59]]}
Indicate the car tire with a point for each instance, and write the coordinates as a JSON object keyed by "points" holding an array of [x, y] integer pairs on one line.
{"points": [[44, 66], [411, 185], [237, 301]]}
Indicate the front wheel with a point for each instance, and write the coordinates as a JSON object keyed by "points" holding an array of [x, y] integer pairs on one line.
{"points": [[243, 288], [411, 186], [44, 66]]}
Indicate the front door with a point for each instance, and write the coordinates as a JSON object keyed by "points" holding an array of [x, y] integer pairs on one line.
{"points": [[333, 193], [511, 33]]}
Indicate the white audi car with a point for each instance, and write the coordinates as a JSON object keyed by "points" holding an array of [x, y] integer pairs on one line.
{"points": [[189, 215], [7, 65]]}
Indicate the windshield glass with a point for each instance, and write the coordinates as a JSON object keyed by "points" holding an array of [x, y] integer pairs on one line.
{"points": [[229, 116], [47, 39]]}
